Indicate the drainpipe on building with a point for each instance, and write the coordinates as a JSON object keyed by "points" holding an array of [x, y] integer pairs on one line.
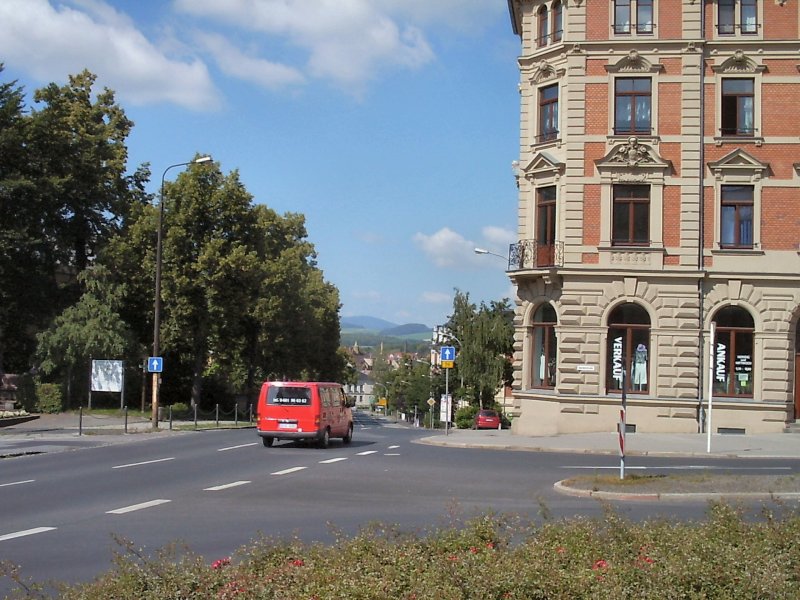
{"points": [[700, 262]]}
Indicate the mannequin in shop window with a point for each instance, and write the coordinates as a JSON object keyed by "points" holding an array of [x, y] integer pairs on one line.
{"points": [[639, 369]]}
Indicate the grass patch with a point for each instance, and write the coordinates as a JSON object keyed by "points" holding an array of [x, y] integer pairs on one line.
{"points": [[702, 483]]}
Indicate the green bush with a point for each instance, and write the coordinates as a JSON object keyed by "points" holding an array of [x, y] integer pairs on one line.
{"points": [[501, 557], [180, 410], [49, 398], [465, 417]]}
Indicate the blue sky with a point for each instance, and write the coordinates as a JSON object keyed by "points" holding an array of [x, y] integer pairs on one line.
{"points": [[390, 124]]}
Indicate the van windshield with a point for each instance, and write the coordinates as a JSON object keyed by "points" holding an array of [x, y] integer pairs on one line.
{"points": [[289, 396]]}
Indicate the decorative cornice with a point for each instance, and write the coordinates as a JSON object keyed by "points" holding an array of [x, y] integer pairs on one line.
{"points": [[633, 157], [739, 63], [634, 62]]}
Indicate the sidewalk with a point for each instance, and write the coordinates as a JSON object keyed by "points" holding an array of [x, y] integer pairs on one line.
{"points": [[777, 445]]}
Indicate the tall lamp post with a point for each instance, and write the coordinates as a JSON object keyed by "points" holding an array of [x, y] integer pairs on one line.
{"points": [[485, 251], [157, 315]]}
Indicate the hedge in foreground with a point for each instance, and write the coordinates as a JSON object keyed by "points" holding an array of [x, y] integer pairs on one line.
{"points": [[495, 557]]}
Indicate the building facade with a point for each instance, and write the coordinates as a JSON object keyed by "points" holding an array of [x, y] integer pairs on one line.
{"points": [[659, 215]]}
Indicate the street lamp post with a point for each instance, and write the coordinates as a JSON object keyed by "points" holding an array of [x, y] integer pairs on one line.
{"points": [[485, 251], [157, 311]]}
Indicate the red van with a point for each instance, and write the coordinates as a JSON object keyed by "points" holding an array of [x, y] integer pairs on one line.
{"points": [[304, 410]]}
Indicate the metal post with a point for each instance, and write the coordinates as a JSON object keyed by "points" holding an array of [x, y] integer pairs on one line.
{"points": [[236, 414], [216, 413], [710, 383], [622, 425], [446, 398], [157, 303], [125, 410], [195, 416], [170, 417], [80, 420]]}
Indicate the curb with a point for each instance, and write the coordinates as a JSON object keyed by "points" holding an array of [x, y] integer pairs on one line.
{"points": [[672, 496]]}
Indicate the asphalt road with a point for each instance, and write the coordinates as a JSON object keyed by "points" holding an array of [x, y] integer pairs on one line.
{"points": [[217, 490]]}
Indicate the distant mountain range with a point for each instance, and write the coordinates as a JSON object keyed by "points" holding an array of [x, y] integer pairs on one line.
{"points": [[383, 328]]}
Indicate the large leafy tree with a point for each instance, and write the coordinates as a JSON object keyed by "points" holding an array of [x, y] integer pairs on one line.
{"points": [[63, 192], [485, 336]]}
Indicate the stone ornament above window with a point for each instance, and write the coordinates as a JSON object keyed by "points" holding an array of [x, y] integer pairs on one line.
{"points": [[632, 153]]}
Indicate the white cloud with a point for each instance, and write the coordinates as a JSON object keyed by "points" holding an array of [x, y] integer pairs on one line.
{"points": [[236, 64], [446, 248], [498, 236], [346, 41], [50, 42]]}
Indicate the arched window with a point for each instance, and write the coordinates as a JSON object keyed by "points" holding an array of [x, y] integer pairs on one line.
{"points": [[628, 349], [558, 21], [733, 352], [545, 352], [544, 27]]}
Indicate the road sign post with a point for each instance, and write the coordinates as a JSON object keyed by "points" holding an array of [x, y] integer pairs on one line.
{"points": [[447, 354]]}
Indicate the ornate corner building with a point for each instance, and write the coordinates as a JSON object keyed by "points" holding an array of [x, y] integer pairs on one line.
{"points": [[659, 215]]}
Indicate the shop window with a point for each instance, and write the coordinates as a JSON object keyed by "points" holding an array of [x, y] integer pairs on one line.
{"points": [[545, 353], [628, 349], [631, 215], [632, 106], [736, 216], [733, 353]]}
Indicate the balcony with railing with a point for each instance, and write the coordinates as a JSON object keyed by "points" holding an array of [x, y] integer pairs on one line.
{"points": [[532, 254]]}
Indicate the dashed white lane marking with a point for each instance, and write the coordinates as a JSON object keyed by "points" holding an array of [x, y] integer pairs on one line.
{"points": [[367, 452], [393, 447], [331, 460], [139, 464], [17, 482], [225, 486], [236, 447], [18, 534], [391, 454], [134, 507], [287, 471]]}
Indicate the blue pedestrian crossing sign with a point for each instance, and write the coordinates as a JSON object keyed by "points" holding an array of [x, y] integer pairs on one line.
{"points": [[155, 364], [447, 353]]}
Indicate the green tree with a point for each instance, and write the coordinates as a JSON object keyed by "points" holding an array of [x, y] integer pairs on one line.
{"points": [[63, 181], [91, 328], [486, 342]]}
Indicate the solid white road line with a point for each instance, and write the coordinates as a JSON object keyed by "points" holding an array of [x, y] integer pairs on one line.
{"points": [[367, 452], [18, 534], [237, 447], [331, 460], [139, 464], [225, 486], [685, 468], [287, 471], [17, 482], [133, 507]]}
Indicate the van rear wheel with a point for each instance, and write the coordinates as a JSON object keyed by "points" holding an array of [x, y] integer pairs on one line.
{"points": [[325, 439], [267, 441], [349, 437]]}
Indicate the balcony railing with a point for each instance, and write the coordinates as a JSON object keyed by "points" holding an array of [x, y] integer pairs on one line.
{"points": [[532, 254]]}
